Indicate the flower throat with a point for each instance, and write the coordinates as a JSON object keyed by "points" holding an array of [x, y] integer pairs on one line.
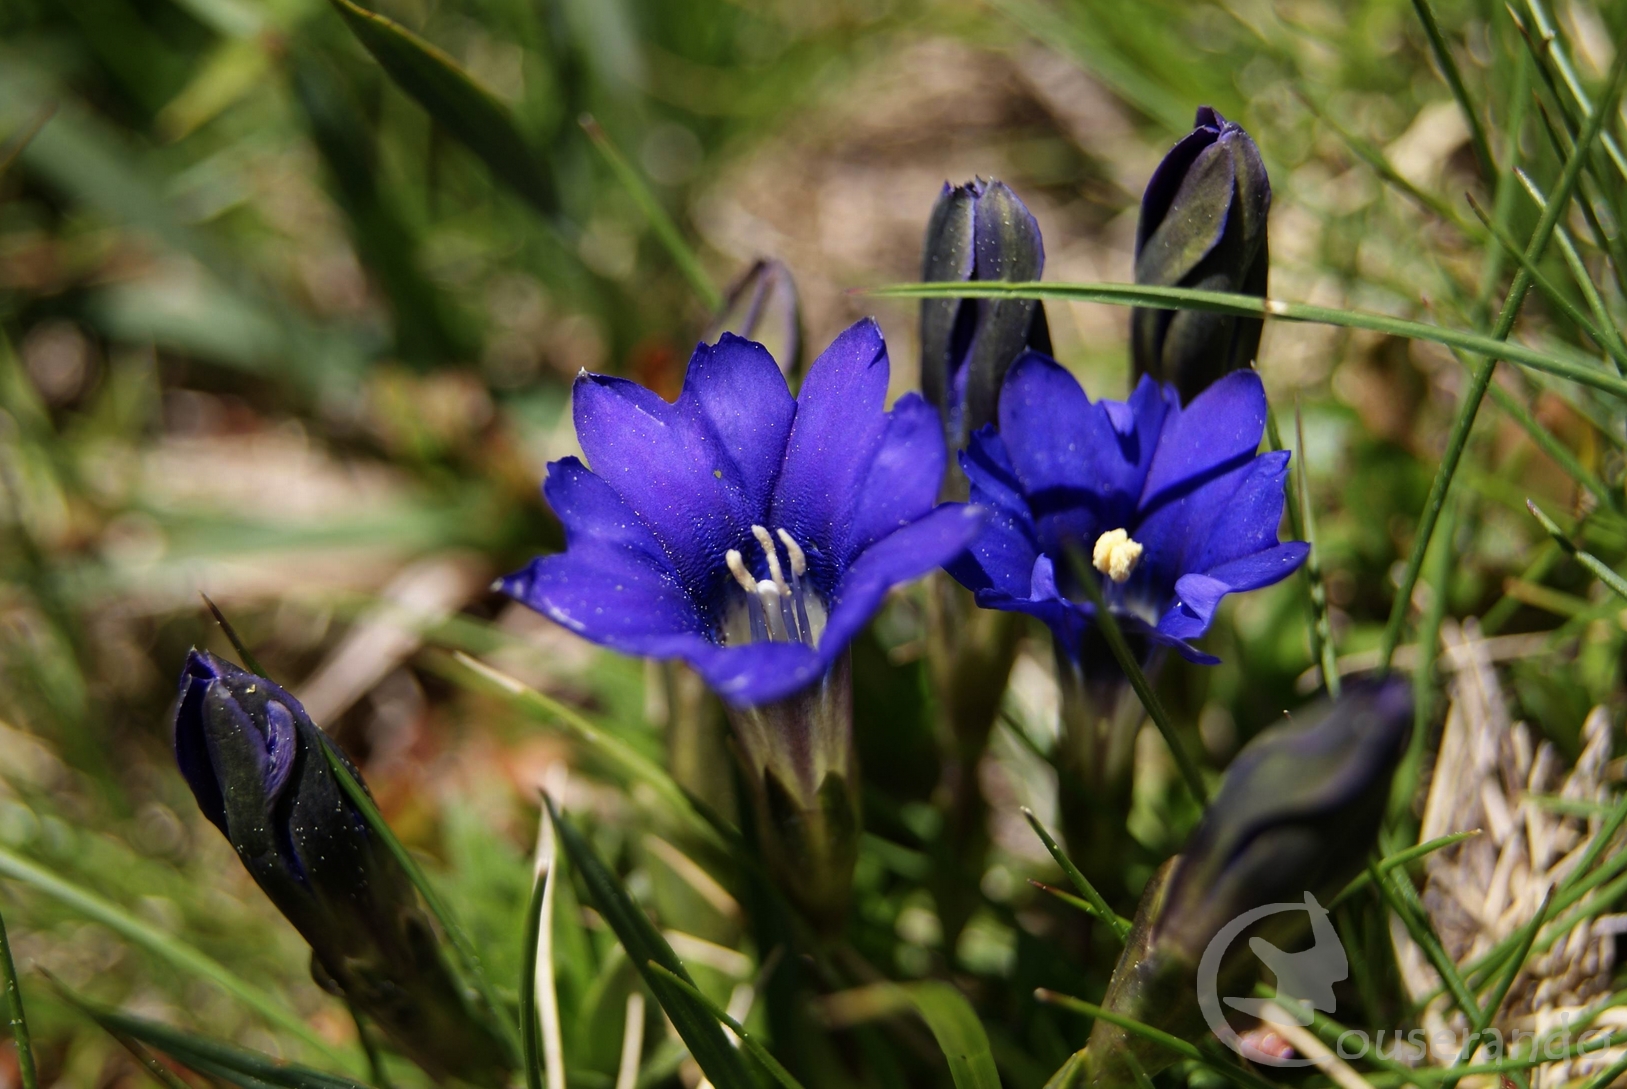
{"points": [[775, 610]]}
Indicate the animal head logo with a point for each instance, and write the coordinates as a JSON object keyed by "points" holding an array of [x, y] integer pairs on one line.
{"points": [[1304, 980]]}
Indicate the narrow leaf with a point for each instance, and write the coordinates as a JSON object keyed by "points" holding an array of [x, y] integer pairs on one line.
{"points": [[467, 111], [173, 950], [1599, 568], [747, 1041], [661, 223], [1094, 901], [14, 1013], [959, 1033], [206, 1056], [461, 943], [646, 948]]}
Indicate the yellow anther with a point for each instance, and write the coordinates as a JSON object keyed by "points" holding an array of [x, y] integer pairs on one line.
{"points": [[1116, 555]]}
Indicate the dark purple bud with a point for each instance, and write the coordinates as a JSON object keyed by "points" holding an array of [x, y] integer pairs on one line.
{"points": [[1295, 820], [1203, 226], [979, 231], [255, 763]]}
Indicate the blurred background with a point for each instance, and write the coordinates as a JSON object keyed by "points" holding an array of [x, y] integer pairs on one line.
{"points": [[271, 330]]}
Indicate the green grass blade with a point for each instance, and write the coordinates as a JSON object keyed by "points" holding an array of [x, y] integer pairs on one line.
{"points": [[1108, 624], [645, 948], [959, 1033], [467, 955], [1417, 925], [14, 1014], [1458, 439], [1221, 302], [173, 950], [206, 1056], [661, 223], [1598, 567], [530, 1029], [1068, 1072], [1094, 903], [1454, 80], [468, 112], [1128, 1024], [1561, 61], [1400, 858], [633, 763], [1553, 291], [753, 1046]]}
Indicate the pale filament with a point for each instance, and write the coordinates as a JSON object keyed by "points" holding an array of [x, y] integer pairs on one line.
{"points": [[778, 609]]}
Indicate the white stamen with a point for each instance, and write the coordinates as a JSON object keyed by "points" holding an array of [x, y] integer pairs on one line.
{"points": [[737, 568], [774, 572], [799, 562], [769, 595], [1116, 555]]}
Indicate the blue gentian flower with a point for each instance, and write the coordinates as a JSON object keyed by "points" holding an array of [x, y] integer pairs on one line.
{"points": [[1171, 505], [747, 532]]}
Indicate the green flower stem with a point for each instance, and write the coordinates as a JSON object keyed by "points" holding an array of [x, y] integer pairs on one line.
{"points": [[1109, 625], [14, 1013], [1458, 439]]}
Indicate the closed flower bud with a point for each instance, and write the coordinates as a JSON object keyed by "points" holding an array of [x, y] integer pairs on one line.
{"points": [[254, 761], [979, 231], [1295, 818], [1202, 226]]}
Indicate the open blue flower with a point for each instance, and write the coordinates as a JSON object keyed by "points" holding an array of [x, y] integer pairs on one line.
{"points": [[1172, 505], [748, 532]]}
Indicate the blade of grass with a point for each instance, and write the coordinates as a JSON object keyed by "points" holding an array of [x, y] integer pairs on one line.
{"points": [[370, 1047], [1601, 570], [754, 1047], [1417, 926], [173, 950], [646, 948], [1578, 269], [1458, 439], [1093, 902], [17, 141], [632, 1041], [244, 654], [1454, 80], [467, 955], [1400, 858], [530, 1036], [206, 1056], [1221, 302], [1322, 645], [15, 1017], [661, 223], [1553, 291], [1545, 27], [959, 1033], [543, 990], [465, 110], [618, 752], [1108, 624]]}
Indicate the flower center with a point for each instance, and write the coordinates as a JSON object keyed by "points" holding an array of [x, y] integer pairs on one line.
{"points": [[1116, 555], [775, 609]]}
